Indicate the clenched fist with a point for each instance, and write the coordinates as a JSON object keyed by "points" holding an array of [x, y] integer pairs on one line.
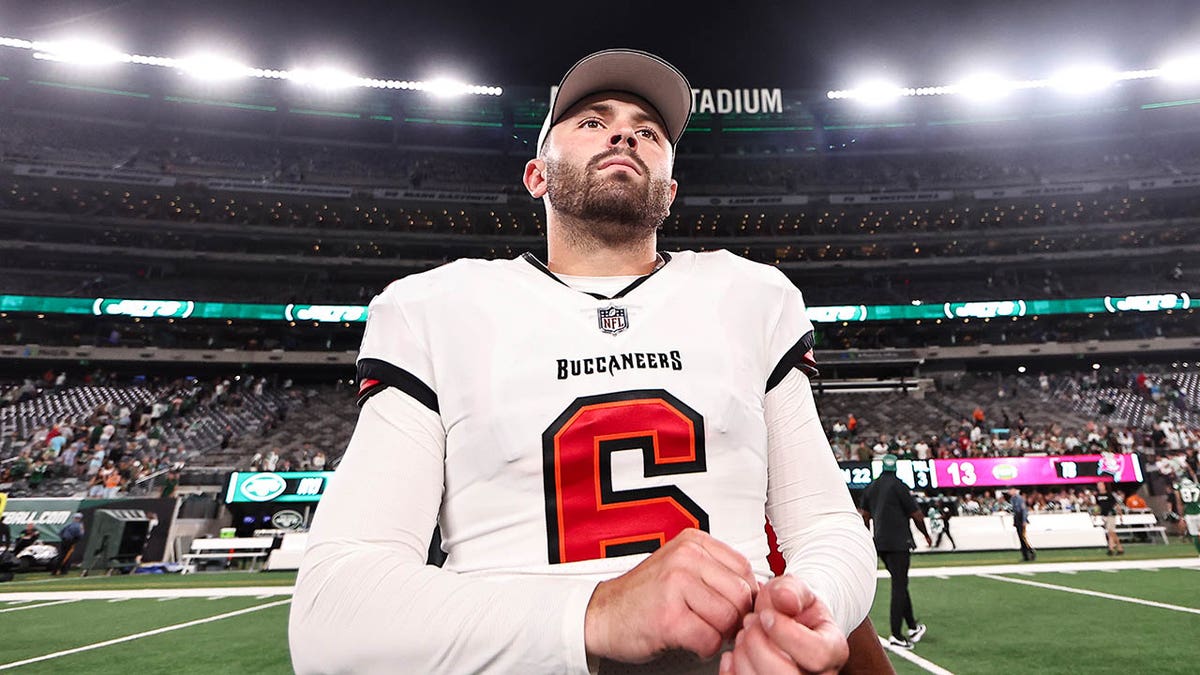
{"points": [[691, 594], [790, 631]]}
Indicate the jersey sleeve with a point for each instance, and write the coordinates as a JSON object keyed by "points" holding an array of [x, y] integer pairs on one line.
{"points": [[791, 338], [820, 534], [393, 353], [366, 601]]}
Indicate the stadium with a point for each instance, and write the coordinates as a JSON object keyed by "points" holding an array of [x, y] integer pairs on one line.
{"points": [[1000, 272]]}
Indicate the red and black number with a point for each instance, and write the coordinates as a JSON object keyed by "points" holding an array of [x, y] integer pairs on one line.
{"points": [[585, 517]]}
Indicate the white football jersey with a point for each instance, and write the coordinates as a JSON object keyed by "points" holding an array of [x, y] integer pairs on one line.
{"points": [[581, 429]]}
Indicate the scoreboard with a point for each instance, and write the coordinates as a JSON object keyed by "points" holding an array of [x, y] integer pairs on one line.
{"points": [[981, 472]]}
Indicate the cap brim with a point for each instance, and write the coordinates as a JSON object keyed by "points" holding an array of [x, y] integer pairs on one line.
{"points": [[639, 73]]}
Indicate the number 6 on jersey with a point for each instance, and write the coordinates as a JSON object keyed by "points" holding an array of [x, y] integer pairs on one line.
{"points": [[585, 517]]}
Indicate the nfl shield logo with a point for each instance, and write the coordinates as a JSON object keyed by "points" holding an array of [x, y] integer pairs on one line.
{"points": [[612, 320]]}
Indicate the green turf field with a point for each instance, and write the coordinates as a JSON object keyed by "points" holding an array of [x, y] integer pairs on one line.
{"points": [[977, 624]]}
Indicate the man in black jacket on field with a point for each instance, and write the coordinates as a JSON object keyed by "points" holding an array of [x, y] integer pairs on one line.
{"points": [[890, 503]]}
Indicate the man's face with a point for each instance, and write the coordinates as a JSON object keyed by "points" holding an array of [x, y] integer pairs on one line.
{"points": [[608, 163]]}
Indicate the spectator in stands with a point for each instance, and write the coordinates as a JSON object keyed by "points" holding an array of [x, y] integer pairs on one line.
{"points": [[1020, 521], [170, 482], [271, 462]]}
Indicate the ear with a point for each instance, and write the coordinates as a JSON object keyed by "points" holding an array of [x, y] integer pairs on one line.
{"points": [[674, 189], [535, 177]]}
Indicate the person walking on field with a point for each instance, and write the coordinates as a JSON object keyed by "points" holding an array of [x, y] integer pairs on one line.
{"points": [[1020, 520], [891, 505]]}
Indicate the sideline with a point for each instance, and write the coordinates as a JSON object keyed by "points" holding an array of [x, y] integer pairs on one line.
{"points": [[136, 636], [145, 593], [1096, 594], [1031, 568]]}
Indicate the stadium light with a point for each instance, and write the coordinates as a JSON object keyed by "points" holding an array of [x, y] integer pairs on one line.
{"points": [[878, 92], [984, 87], [445, 88], [81, 52], [217, 68], [324, 78], [1084, 79], [1186, 69], [212, 67]]}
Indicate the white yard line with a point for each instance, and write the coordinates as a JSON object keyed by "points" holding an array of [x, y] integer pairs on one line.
{"points": [[44, 604], [136, 636], [142, 593], [924, 664], [1034, 568], [1096, 594]]}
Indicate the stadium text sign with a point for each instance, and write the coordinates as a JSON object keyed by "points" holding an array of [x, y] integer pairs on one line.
{"points": [[1147, 303], [327, 313], [725, 101], [144, 309], [256, 487], [984, 310]]}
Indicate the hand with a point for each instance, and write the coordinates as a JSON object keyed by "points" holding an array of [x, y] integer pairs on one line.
{"points": [[790, 631], [690, 594]]}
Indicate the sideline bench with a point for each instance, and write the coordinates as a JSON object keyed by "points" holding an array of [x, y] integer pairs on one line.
{"points": [[1137, 523], [251, 548]]}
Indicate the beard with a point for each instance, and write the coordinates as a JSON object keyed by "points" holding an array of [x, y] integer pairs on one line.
{"points": [[614, 209]]}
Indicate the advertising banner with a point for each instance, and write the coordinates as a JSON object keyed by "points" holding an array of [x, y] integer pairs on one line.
{"points": [[267, 187], [126, 176], [440, 196], [51, 515], [892, 197]]}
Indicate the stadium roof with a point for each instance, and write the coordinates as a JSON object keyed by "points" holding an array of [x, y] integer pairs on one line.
{"points": [[783, 44]]}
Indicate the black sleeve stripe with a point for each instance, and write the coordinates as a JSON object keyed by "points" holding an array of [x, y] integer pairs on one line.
{"points": [[388, 375], [799, 356]]}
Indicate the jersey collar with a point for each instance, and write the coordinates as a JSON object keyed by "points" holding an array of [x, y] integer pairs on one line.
{"points": [[541, 267]]}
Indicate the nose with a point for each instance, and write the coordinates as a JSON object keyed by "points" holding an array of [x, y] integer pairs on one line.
{"points": [[624, 136]]}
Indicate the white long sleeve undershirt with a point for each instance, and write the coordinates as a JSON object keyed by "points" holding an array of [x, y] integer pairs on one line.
{"points": [[366, 602], [820, 533]]}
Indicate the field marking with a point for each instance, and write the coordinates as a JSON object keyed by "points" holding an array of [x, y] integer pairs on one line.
{"points": [[142, 593], [1098, 594], [907, 655], [1033, 568], [44, 604], [136, 636]]}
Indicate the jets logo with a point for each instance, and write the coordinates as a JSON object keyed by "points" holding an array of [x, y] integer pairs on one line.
{"points": [[263, 487], [287, 520]]}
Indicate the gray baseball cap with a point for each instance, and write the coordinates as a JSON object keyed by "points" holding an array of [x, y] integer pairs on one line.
{"points": [[639, 73]]}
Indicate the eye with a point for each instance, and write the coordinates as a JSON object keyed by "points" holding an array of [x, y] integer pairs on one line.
{"points": [[591, 123], [647, 132]]}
